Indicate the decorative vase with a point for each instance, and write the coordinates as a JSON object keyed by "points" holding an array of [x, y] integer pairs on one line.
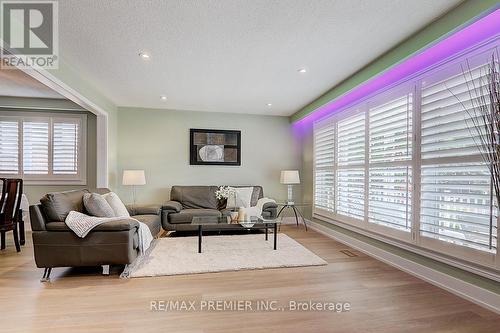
{"points": [[234, 216], [241, 214]]}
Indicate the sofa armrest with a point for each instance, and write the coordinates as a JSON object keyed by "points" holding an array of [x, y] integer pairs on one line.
{"points": [[37, 218], [118, 225], [173, 206], [272, 208], [124, 224], [269, 205], [143, 209]]}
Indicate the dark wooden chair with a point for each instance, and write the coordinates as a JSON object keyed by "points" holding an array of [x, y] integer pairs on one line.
{"points": [[10, 212]]}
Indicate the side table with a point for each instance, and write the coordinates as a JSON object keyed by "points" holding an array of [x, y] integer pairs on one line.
{"points": [[294, 207]]}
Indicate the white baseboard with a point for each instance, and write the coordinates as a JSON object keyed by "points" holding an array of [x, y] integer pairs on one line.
{"points": [[473, 293]]}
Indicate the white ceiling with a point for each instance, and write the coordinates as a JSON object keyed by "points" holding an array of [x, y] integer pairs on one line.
{"points": [[15, 83], [231, 55]]}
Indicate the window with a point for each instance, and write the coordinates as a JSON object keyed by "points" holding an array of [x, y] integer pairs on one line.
{"points": [[390, 152], [324, 182], [43, 148], [350, 166], [456, 202], [404, 163], [9, 147]]}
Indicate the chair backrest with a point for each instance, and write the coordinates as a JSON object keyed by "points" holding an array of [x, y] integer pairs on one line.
{"points": [[10, 202]]}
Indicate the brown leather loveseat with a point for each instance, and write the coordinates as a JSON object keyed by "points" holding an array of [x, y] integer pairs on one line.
{"points": [[111, 243]]}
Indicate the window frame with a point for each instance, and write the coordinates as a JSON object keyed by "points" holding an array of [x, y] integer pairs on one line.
{"points": [[414, 238], [80, 178]]}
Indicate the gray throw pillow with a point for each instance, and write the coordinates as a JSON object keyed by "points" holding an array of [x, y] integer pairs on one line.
{"points": [[57, 205], [96, 205]]}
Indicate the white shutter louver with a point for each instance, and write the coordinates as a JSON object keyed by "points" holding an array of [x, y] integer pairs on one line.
{"points": [[390, 131], [445, 124], [390, 198], [350, 161], [390, 152], [455, 205], [9, 147], [65, 147], [35, 148], [324, 176]]}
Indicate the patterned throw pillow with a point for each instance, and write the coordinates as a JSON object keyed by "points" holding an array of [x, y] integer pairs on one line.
{"points": [[116, 204], [96, 205]]}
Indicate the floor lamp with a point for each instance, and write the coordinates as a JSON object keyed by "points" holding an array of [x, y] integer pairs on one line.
{"points": [[133, 178]]}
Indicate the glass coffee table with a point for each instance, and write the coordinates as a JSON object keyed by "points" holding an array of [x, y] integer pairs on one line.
{"points": [[214, 223]]}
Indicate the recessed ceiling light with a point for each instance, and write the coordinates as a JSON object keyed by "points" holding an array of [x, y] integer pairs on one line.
{"points": [[163, 98], [269, 104], [144, 55], [302, 70]]}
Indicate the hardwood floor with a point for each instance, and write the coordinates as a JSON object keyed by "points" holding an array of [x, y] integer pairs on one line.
{"points": [[382, 298]]}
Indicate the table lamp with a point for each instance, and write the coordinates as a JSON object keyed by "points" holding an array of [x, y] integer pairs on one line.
{"points": [[133, 178], [290, 178]]}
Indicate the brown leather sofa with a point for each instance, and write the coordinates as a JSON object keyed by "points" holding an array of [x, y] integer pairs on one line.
{"points": [[189, 201], [111, 243]]}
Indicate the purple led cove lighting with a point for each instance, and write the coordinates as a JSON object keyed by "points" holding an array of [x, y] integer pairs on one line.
{"points": [[478, 31]]}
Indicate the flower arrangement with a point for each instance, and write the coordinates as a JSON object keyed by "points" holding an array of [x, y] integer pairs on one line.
{"points": [[224, 192]]}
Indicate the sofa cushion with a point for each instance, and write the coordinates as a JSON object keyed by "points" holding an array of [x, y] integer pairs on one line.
{"points": [[195, 196], [243, 197], [96, 205], [118, 225], [186, 215], [116, 204], [257, 194], [152, 221], [57, 205]]}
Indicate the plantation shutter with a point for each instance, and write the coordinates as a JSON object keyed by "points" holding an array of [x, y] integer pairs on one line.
{"points": [[350, 166], [445, 130], [455, 196], [65, 147], [9, 147], [390, 152], [36, 147], [324, 159]]}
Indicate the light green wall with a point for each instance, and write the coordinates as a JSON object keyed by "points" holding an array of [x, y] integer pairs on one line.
{"points": [[158, 142], [15, 105], [463, 14]]}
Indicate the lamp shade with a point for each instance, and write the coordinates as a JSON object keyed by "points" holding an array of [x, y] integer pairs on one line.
{"points": [[290, 177], [134, 177]]}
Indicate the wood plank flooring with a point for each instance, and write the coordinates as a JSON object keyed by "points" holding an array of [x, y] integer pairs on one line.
{"points": [[382, 298]]}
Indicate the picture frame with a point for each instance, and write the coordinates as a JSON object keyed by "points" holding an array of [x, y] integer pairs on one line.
{"points": [[214, 147]]}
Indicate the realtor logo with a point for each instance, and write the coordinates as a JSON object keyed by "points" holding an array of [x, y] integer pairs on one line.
{"points": [[29, 34]]}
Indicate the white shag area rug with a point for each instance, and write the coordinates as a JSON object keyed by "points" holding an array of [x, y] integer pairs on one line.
{"points": [[179, 255]]}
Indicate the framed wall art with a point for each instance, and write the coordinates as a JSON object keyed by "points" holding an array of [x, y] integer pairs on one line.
{"points": [[215, 147]]}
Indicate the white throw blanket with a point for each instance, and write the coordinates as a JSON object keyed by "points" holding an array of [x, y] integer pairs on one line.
{"points": [[257, 209], [82, 224]]}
